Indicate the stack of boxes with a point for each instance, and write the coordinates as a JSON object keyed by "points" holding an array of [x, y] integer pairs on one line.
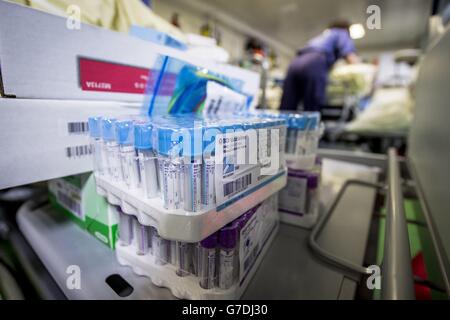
{"points": [[52, 78]]}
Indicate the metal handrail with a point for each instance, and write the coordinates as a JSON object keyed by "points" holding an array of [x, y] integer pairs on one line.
{"points": [[326, 255], [397, 277]]}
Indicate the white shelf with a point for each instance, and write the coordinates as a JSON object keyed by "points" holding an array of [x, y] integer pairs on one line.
{"points": [[183, 225]]}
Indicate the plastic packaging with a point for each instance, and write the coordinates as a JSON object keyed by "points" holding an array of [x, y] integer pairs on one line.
{"points": [[185, 89]]}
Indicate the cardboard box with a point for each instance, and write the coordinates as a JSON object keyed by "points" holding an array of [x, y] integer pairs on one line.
{"points": [[298, 202], [40, 57], [47, 139], [76, 197]]}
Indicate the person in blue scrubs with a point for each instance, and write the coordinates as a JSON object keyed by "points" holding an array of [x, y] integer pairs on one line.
{"points": [[307, 76]]}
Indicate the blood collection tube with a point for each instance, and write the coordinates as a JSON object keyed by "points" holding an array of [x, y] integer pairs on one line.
{"points": [[160, 248], [184, 258], [228, 238], [170, 166], [192, 169], [141, 237], [125, 228], [207, 261], [111, 149], [97, 144], [128, 156], [143, 142]]}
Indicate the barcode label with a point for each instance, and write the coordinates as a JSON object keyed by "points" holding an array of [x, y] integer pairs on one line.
{"points": [[77, 127], [78, 151], [69, 203], [237, 185], [251, 258]]}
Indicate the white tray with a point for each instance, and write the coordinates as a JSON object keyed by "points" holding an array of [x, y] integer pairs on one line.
{"points": [[183, 225], [186, 287]]}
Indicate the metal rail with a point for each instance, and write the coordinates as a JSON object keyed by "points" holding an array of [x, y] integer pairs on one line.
{"points": [[397, 277]]}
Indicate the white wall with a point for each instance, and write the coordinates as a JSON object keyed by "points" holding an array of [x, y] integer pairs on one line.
{"points": [[191, 20]]}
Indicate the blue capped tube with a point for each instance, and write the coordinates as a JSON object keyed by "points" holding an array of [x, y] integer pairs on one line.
{"points": [[209, 166], [128, 155], [111, 149], [147, 161], [192, 168], [170, 166], [95, 125]]}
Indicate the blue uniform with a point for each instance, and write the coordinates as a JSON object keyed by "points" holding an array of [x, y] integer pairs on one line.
{"points": [[307, 75]]}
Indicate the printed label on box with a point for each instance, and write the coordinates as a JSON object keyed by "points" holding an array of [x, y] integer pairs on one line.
{"points": [[254, 235], [293, 196], [68, 196], [105, 76], [233, 173]]}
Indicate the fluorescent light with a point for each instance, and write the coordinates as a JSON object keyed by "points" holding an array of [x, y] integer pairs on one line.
{"points": [[357, 31]]}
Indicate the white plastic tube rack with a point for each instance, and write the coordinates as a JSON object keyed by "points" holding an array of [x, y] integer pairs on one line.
{"points": [[187, 287], [182, 225]]}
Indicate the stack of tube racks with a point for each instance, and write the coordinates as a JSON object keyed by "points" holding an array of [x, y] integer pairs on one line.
{"points": [[299, 200], [187, 185]]}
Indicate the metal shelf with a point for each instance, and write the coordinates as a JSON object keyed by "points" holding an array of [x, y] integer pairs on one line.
{"points": [[288, 271]]}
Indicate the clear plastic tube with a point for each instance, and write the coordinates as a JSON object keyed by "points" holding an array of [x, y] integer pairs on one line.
{"points": [[173, 253], [113, 160], [148, 173], [170, 172], [97, 144], [207, 262], [141, 236], [291, 140], [184, 258], [227, 263], [228, 239], [95, 124], [125, 228], [160, 249], [209, 189], [192, 199], [129, 165]]}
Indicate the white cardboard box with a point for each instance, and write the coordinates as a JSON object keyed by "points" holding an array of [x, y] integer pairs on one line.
{"points": [[40, 57], [47, 139]]}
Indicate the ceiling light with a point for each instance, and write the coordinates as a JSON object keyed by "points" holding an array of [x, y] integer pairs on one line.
{"points": [[357, 31]]}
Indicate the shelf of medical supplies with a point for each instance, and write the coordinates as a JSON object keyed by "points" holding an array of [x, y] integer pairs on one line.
{"points": [[288, 270], [188, 226]]}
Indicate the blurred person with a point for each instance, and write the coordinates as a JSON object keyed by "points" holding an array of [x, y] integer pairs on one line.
{"points": [[307, 75]]}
